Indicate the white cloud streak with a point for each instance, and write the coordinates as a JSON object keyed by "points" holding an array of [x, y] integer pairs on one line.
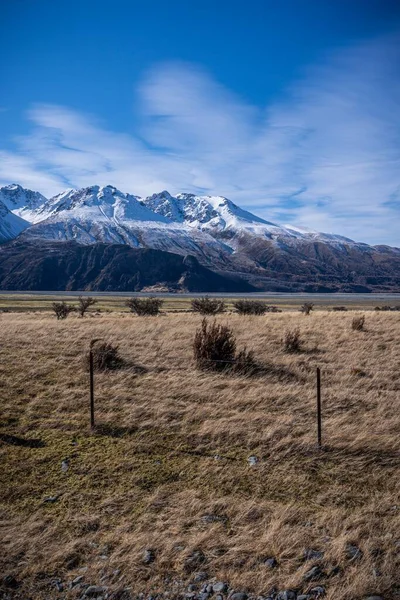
{"points": [[326, 156]]}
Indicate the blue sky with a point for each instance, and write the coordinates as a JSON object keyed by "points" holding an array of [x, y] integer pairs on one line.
{"points": [[290, 108]]}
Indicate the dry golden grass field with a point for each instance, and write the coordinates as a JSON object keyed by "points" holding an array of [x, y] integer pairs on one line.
{"points": [[167, 468]]}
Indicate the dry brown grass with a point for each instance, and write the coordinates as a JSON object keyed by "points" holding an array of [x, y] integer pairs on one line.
{"points": [[148, 475]]}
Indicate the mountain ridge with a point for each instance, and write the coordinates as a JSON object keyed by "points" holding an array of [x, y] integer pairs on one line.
{"points": [[221, 236]]}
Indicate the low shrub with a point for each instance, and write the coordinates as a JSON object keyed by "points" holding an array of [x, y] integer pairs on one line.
{"points": [[62, 309], [84, 303], [106, 356], [214, 346], [208, 306], [339, 308], [307, 308], [145, 306], [250, 307], [214, 349], [292, 341], [358, 323]]}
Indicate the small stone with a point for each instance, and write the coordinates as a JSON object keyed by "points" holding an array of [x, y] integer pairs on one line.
{"points": [[252, 460], [192, 587], [149, 556], [64, 465], [353, 552], [76, 581], [314, 573], [94, 591], [318, 591], [311, 554], [219, 597], [304, 597], [271, 562], [287, 595], [51, 499], [220, 587], [239, 596], [203, 596]]}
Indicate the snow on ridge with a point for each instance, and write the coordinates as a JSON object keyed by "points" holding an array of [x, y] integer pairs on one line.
{"points": [[214, 215]]}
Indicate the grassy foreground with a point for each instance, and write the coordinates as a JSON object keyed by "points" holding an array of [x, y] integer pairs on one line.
{"points": [[167, 469]]}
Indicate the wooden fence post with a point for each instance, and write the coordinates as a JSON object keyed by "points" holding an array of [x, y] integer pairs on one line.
{"points": [[319, 415], [91, 388]]}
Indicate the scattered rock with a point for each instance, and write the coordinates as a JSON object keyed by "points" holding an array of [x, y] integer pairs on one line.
{"points": [[311, 554], [353, 552], [252, 460], [271, 562], [65, 465], [51, 499], [220, 587], [318, 591], [149, 556], [314, 573], [203, 596], [58, 584], [76, 581], [287, 595], [304, 597], [93, 591], [192, 587], [238, 596], [214, 519]]}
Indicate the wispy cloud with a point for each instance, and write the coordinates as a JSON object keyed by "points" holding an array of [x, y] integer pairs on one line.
{"points": [[327, 155]]}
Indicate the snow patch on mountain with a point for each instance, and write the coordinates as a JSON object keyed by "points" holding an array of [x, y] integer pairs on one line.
{"points": [[10, 225], [21, 201]]}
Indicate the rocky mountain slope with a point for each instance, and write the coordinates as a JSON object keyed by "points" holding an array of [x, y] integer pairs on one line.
{"points": [[222, 236], [52, 266]]}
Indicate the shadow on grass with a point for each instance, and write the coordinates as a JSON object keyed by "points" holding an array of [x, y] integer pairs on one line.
{"points": [[13, 440], [115, 431]]}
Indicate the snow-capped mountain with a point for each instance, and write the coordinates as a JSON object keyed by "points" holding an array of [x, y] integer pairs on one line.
{"points": [[218, 215], [10, 225], [220, 234], [21, 201], [104, 214]]}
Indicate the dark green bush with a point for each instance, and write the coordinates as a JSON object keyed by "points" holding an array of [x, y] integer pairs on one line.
{"points": [[145, 306], [62, 309], [250, 307], [208, 306]]}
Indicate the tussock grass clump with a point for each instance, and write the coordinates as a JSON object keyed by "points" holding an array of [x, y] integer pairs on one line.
{"points": [[106, 357], [358, 323], [62, 309], [145, 307], [292, 341], [307, 308], [84, 303], [208, 306], [250, 307]]}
